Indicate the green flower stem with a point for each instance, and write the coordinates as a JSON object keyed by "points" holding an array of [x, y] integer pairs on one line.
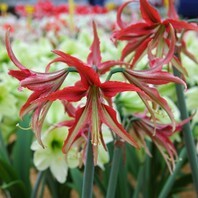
{"points": [[143, 178], [140, 182], [187, 132], [114, 172], [147, 172], [39, 179], [113, 71], [170, 181], [88, 176]]}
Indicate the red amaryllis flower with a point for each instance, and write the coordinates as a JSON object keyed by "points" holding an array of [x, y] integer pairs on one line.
{"points": [[152, 34], [42, 84], [95, 112], [146, 81], [142, 127], [98, 94]]}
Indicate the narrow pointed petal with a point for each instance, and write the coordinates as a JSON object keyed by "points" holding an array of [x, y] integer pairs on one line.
{"points": [[94, 58], [181, 25], [111, 88], [82, 117], [88, 75], [188, 53], [130, 47], [71, 94], [69, 108], [177, 64], [156, 76], [120, 23], [106, 66], [11, 54], [47, 81], [59, 59], [156, 62], [38, 118], [30, 105], [149, 13], [172, 13], [20, 75], [140, 51], [134, 31], [154, 96], [108, 116]]}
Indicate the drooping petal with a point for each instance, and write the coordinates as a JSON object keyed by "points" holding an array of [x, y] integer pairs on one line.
{"points": [[188, 53], [81, 119], [155, 76], [154, 96], [108, 116], [41, 81], [38, 118], [177, 64], [131, 46], [106, 66], [140, 51], [120, 23], [94, 58], [149, 13], [111, 88], [69, 108], [11, 54], [156, 62], [30, 105]]}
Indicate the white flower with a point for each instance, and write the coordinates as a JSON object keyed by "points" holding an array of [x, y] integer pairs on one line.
{"points": [[51, 156]]}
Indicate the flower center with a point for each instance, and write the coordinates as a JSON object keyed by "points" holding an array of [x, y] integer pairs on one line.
{"points": [[56, 145]]}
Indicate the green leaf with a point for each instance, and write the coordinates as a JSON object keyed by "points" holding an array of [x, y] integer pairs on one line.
{"points": [[123, 185], [22, 154], [3, 150], [132, 160], [52, 184], [99, 181], [181, 183], [10, 181], [77, 178]]}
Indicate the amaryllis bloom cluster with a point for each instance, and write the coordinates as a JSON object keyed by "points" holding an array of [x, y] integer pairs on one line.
{"points": [[153, 36], [97, 110], [89, 102]]}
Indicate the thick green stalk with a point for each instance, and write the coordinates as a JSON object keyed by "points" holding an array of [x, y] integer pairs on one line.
{"points": [[114, 172], [170, 181], [88, 176], [187, 132]]}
